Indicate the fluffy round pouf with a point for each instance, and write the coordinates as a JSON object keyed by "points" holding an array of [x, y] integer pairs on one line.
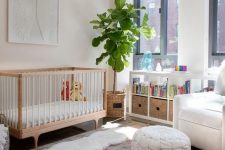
{"points": [[4, 138], [160, 137]]}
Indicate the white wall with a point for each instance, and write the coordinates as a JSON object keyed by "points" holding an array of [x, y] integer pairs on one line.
{"points": [[193, 34], [75, 39], [123, 77]]}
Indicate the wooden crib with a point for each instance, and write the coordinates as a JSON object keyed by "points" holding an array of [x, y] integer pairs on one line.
{"points": [[42, 100]]}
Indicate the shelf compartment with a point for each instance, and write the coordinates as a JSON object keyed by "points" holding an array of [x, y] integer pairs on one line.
{"points": [[158, 108], [139, 105]]}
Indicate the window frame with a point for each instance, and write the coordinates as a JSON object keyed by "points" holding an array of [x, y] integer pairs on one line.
{"points": [[163, 39], [213, 54], [163, 31]]}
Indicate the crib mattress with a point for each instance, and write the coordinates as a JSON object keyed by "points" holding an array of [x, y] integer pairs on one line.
{"points": [[58, 110]]}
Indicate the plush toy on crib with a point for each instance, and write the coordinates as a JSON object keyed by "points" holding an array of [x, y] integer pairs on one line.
{"points": [[66, 87], [76, 92]]}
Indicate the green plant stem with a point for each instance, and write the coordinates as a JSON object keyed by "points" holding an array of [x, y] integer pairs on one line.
{"points": [[114, 81]]}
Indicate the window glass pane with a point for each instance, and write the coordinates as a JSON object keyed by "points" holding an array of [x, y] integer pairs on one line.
{"points": [[152, 7], [221, 27], [172, 24]]}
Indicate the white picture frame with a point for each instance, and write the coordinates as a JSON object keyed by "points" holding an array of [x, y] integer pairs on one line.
{"points": [[33, 21]]}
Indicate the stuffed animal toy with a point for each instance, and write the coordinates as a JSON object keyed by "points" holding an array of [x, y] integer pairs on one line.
{"points": [[67, 91], [76, 92]]}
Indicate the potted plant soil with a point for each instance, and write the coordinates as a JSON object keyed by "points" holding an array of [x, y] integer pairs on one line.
{"points": [[118, 31]]}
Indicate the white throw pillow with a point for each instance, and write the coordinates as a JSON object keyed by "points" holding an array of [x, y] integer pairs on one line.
{"points": [[220, 83]]}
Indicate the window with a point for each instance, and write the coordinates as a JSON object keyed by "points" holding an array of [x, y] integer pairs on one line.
{"points": [[217, 33], [163, 16], [221, 27]]}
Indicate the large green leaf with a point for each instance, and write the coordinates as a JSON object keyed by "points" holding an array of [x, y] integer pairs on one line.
{"points": [[119, 65], [110, 46], [116, 54], [115, 35], [126, 24], [102, 16], [96, 42], [111, 61], [95, 22], [99, 59], [118, 14], [123, 48], [148, 32], [145, 20], [120, 3]]}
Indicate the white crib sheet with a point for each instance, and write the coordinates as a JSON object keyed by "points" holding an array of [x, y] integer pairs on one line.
{"points": [[60, 110]]}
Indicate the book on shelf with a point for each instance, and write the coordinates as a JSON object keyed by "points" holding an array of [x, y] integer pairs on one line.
{"points": [[177, 90], [160, 90], [140, 89]]}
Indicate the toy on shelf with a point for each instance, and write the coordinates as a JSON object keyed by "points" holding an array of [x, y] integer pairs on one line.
{"points": [[180, 68]]}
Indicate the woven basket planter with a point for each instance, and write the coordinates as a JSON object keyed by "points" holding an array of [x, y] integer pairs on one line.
{"points": [[115, 104]]}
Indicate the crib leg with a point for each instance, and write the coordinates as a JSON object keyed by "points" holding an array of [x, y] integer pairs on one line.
{"points": [[96, 123], [36, 137]]}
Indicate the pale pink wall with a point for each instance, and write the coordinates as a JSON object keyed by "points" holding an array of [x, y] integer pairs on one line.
{"points": [[75, 39]]}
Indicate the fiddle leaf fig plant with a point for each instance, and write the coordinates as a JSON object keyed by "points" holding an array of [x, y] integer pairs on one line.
{"points": [[119, 32]]}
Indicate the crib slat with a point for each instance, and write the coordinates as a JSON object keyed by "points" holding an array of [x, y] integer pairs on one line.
{"points": [[13, 103], [20, 104], [10, 101], [55, 95], [62, 98], [45, 98], [105, 96], [98, 91], [50, 98], [65, 96], [70, 84], [1, 94], [39, 98], [27, 101], [91, 80], [82, 83], [87, 93], [74, 106], [95, 93]]}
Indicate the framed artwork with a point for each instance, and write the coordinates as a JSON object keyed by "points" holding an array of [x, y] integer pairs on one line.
{"points": [[33, 21]]}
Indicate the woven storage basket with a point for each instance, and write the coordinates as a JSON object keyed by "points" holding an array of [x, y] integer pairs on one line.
{"points": [[115, 104]]}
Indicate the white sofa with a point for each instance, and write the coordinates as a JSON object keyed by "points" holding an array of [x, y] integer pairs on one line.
{"points": [[201, 116]]}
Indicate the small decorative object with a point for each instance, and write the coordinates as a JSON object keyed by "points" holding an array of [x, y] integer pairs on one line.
{"points": [[180, 68], [76, 92], [146, 62], [158, 67]]}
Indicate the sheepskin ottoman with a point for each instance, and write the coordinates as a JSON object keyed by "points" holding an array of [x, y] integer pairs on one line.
{"points": [[4, 138], [159, 138]]}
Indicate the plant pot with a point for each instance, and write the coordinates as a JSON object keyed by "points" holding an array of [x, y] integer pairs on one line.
{"points": [[115, 104]]}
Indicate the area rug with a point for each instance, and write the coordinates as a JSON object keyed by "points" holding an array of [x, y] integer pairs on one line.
{"points": [[99, 140]]}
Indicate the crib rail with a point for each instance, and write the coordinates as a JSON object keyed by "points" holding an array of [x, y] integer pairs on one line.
{"points": [[37, 97]]}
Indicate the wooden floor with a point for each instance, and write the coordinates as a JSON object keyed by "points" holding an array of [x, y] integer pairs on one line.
{"points": [[67, 134]]}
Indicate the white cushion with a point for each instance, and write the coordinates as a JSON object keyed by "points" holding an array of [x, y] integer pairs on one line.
{"points": [[160, 137], [220, 83], [205, 117]]}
